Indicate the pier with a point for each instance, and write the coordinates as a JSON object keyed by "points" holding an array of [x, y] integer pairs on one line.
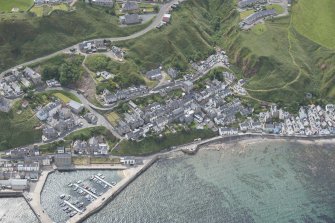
{"points": [[35, 196], [130, 175], [102, 180], [74, 207], [87, 191]]}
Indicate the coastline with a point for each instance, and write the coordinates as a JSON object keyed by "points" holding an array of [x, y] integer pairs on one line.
{"points": [[130, 174], [226, 142]]}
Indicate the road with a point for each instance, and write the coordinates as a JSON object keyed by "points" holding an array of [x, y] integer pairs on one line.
{"points": [[164, 9], [101, 119]]}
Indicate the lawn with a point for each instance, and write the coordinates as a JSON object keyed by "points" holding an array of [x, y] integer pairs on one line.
{"points": [[17, 128], [279, 9], [87, 133], [8, 5], [259, 28], [246, 13], [62, 97], [113, 118], [156, 144], [315, 20]]}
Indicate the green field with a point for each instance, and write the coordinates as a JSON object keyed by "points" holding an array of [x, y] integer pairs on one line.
{"points": [[155, 144], [8, 5], [246, 13], [126, 73], [46, 10], [17, 128], [191, 36], [315, 20], [113, 118], [30, 37], [64, 96], [279, 9]]}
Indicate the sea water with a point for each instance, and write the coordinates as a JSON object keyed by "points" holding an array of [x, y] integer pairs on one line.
{"points": [[264, 182], [57, 184], [16, 210]]}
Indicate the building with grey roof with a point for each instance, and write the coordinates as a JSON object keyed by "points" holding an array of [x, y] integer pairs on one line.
{"points": [[130, 7], [258, 15], [104, 3], [130, 19]]}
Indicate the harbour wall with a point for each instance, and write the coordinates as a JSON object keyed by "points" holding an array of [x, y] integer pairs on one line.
{"points": [[113, 194]]}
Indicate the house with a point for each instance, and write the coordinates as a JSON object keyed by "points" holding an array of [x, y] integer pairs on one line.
{"points": [[91, 118], [172, 73], [187, 86], [105, 75], [4, 104], [257, 16], [15, 184], [130, 7], [250, 3], [103, 149], [155, 74], [104, 3], [75, 107], [35, 77], [49, 133], [228, 131], [100, 45], [80, 146], [130, 19], [63, 161], [269, 128]]}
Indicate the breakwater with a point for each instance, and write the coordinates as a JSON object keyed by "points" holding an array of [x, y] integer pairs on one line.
{"points": [[99, 203]]}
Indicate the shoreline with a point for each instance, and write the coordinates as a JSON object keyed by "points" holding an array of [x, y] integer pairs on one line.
{"points": [[244, 140], [130, 174]]}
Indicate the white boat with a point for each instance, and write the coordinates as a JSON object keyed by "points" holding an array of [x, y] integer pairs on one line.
{"points": [[62, 196]]}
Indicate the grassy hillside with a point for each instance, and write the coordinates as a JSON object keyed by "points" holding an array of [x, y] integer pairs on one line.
{"points": [[188, 37], [280, 63], [315, 20], [31, 37], [18, 128], [8, 5]]}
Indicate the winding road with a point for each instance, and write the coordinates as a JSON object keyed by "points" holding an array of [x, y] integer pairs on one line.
{"points": [[164, 9]]}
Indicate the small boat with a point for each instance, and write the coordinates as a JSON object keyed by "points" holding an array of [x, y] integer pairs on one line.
{"points": [[102, 177], [64, 209], [68, 197], [92, 177], [105, 186], [70, 184], [68, 211], [113, 183], [62, 196], [99, 174], [79, 182]]}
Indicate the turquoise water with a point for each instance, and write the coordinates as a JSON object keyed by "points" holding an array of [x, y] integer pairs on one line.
{"points": [[264, 182]]}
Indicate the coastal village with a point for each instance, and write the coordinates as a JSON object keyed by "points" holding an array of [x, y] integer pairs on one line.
{"points": [[201, 99]]}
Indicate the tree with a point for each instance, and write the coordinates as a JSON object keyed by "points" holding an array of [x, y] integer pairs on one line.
{"points": [[50, 72], [69, 73]]}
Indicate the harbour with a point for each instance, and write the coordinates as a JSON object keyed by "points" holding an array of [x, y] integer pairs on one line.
{"points": [[83, 192]]}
